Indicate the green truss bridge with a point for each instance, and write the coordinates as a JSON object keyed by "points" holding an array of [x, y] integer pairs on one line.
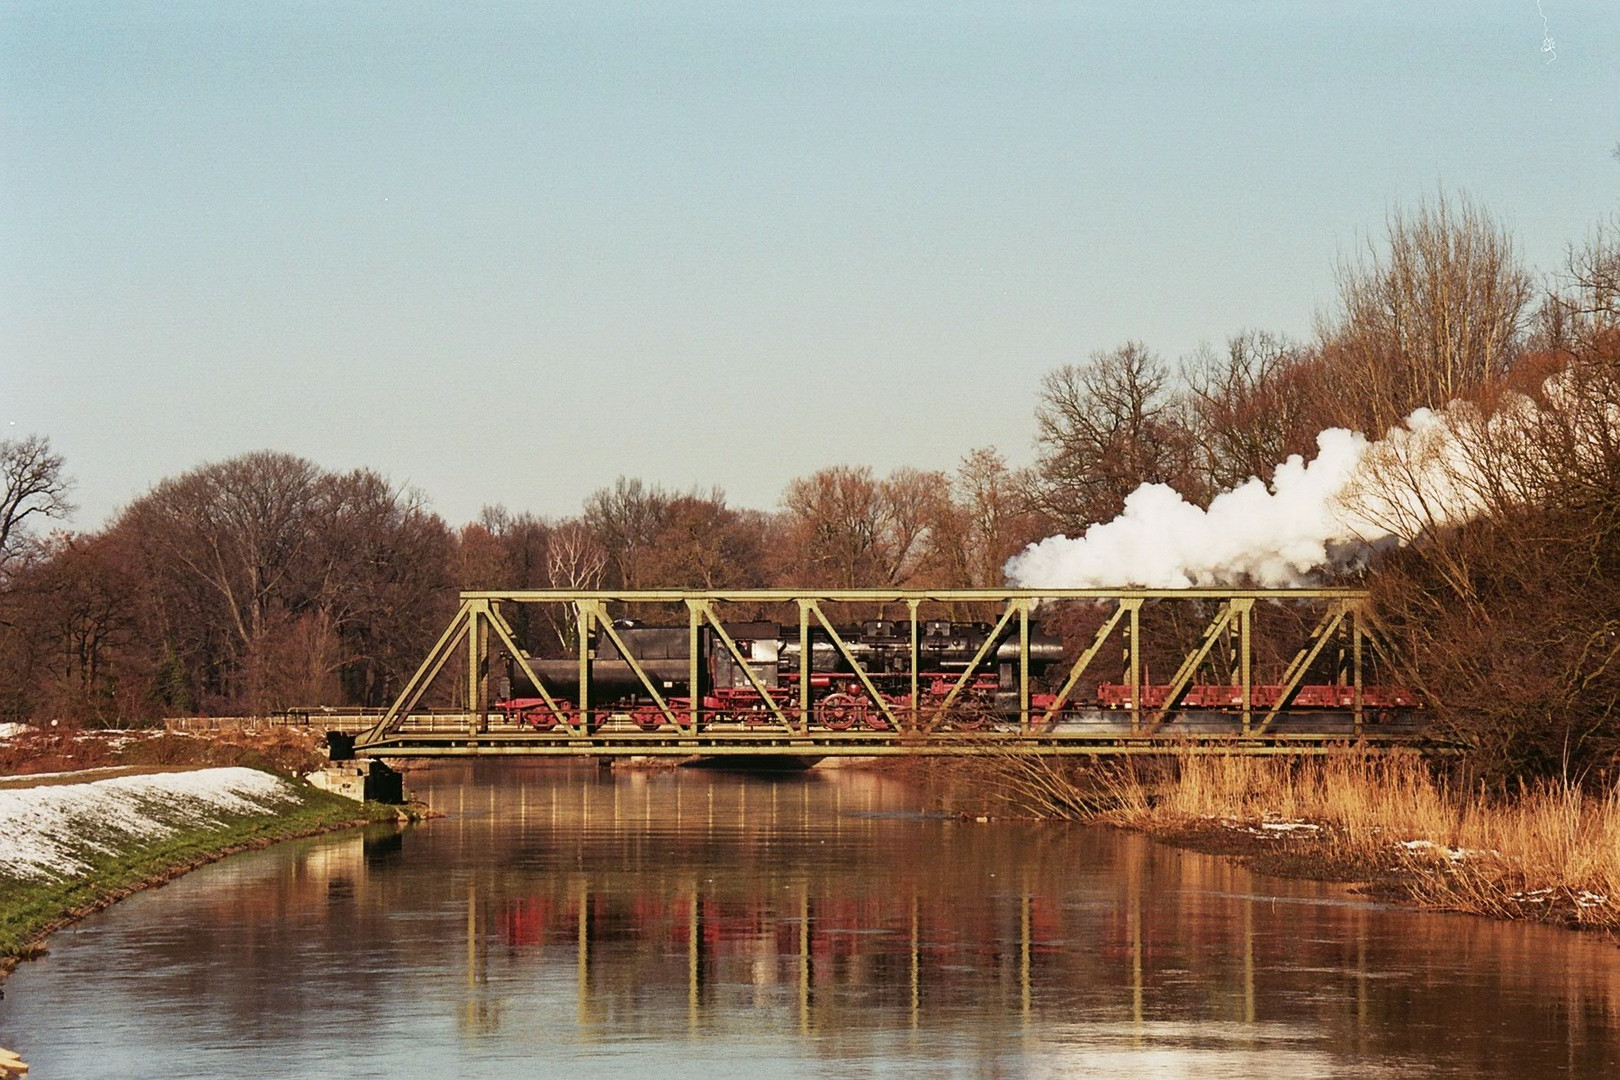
{"points": [[804, 674]]}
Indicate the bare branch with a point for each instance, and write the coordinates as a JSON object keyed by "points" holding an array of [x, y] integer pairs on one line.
{"points": [[32, 484]]}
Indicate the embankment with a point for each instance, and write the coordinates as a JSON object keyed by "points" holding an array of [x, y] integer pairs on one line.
{"points": [[1391, 826], [69, 847]]}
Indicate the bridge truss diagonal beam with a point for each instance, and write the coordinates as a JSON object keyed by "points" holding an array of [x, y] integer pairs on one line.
{"points": [[411, 694], [706, 611], [481, 624], [503, 631], [1013, 607], [1083, 662], [1232, 609], [1324, 631], [600, 615], [856, 667]]}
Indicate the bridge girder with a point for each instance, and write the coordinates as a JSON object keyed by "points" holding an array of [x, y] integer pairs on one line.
{"points": [[912, 721]]}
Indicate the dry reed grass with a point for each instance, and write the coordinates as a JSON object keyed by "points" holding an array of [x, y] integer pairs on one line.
{"points": [[1547, 851]]}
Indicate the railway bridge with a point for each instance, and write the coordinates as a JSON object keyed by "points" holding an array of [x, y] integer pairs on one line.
{"points": [[804, 674]]}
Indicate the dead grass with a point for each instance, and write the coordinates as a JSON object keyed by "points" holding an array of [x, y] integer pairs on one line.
{"points": [[1549, 851]]}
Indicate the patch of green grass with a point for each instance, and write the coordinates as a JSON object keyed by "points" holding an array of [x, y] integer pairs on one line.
{"points": [[30, 908]]}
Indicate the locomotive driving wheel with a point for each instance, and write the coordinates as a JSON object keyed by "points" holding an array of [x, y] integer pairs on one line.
{"points": [[969, 718], [840, 712]]}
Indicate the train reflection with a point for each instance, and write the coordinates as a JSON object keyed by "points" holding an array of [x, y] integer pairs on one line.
{"points": [[602, 908], [780, 940]]}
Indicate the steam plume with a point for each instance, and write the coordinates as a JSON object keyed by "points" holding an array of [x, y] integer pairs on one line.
{"points": [[1328, 512]]}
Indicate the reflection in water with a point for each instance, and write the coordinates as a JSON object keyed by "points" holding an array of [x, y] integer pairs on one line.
{"points": [[689, 923]]}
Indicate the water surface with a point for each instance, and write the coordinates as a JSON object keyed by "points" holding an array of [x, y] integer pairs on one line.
{"points": [[565, 922]]}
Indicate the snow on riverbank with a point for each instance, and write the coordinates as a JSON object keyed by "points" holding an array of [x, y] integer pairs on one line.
{"points": [[55, 831]]}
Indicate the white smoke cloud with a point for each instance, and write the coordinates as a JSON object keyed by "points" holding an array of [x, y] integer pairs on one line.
{"points": [[1329, 511]]}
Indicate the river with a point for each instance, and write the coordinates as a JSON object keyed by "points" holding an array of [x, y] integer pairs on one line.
{"points": [[564, 922]]}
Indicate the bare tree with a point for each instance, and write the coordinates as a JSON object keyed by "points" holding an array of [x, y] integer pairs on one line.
{"points": [[837, 522], [1505, 595], [1434, 312], [230, 546], [1103, 428], [1594, 271], [1581, 319], [242, 528], [481, 561], [999, 521], [32, 484], [272, 579], [574, 558], [380, 583], [626, 519], [84, 596], [702, 542], [1252, 406], [851, 530], [910, 501], [525, 539], [67, 633]]}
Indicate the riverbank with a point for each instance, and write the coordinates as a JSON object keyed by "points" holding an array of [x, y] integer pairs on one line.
{"points": [[27, 749], [71, 847], [1388, 825]]}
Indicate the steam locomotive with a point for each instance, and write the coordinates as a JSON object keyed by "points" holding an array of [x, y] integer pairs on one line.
{"points": [[840, 701], [766, 682]]}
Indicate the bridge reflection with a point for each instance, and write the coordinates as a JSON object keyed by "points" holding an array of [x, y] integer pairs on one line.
{"points": [[583, 919], [888, 947], [686, 905]]}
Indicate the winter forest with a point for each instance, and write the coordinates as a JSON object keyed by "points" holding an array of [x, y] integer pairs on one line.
{"points": [[1448, 436]]}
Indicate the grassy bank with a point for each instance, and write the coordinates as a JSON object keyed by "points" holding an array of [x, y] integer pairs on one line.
{"points": [[94, 843], [1549, 852]]}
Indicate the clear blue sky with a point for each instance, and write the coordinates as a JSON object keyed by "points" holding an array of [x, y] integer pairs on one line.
{"points": [[505, 252]]}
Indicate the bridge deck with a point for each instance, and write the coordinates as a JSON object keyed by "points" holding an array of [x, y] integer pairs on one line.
{"points": [[1101, 735]]}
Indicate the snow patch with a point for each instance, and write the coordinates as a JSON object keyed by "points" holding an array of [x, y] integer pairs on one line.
{"points": [[50, 832], [1584, 898], [1270, 827], [1454, 854]]}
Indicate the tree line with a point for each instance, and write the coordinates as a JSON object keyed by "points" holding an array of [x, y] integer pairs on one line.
{"points": [[265, 581]]}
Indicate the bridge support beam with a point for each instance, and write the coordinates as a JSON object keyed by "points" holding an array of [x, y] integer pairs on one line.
{"points": [[1044, 706]]}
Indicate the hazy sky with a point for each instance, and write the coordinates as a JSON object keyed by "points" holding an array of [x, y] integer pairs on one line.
{"points": [[507, 252]]}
